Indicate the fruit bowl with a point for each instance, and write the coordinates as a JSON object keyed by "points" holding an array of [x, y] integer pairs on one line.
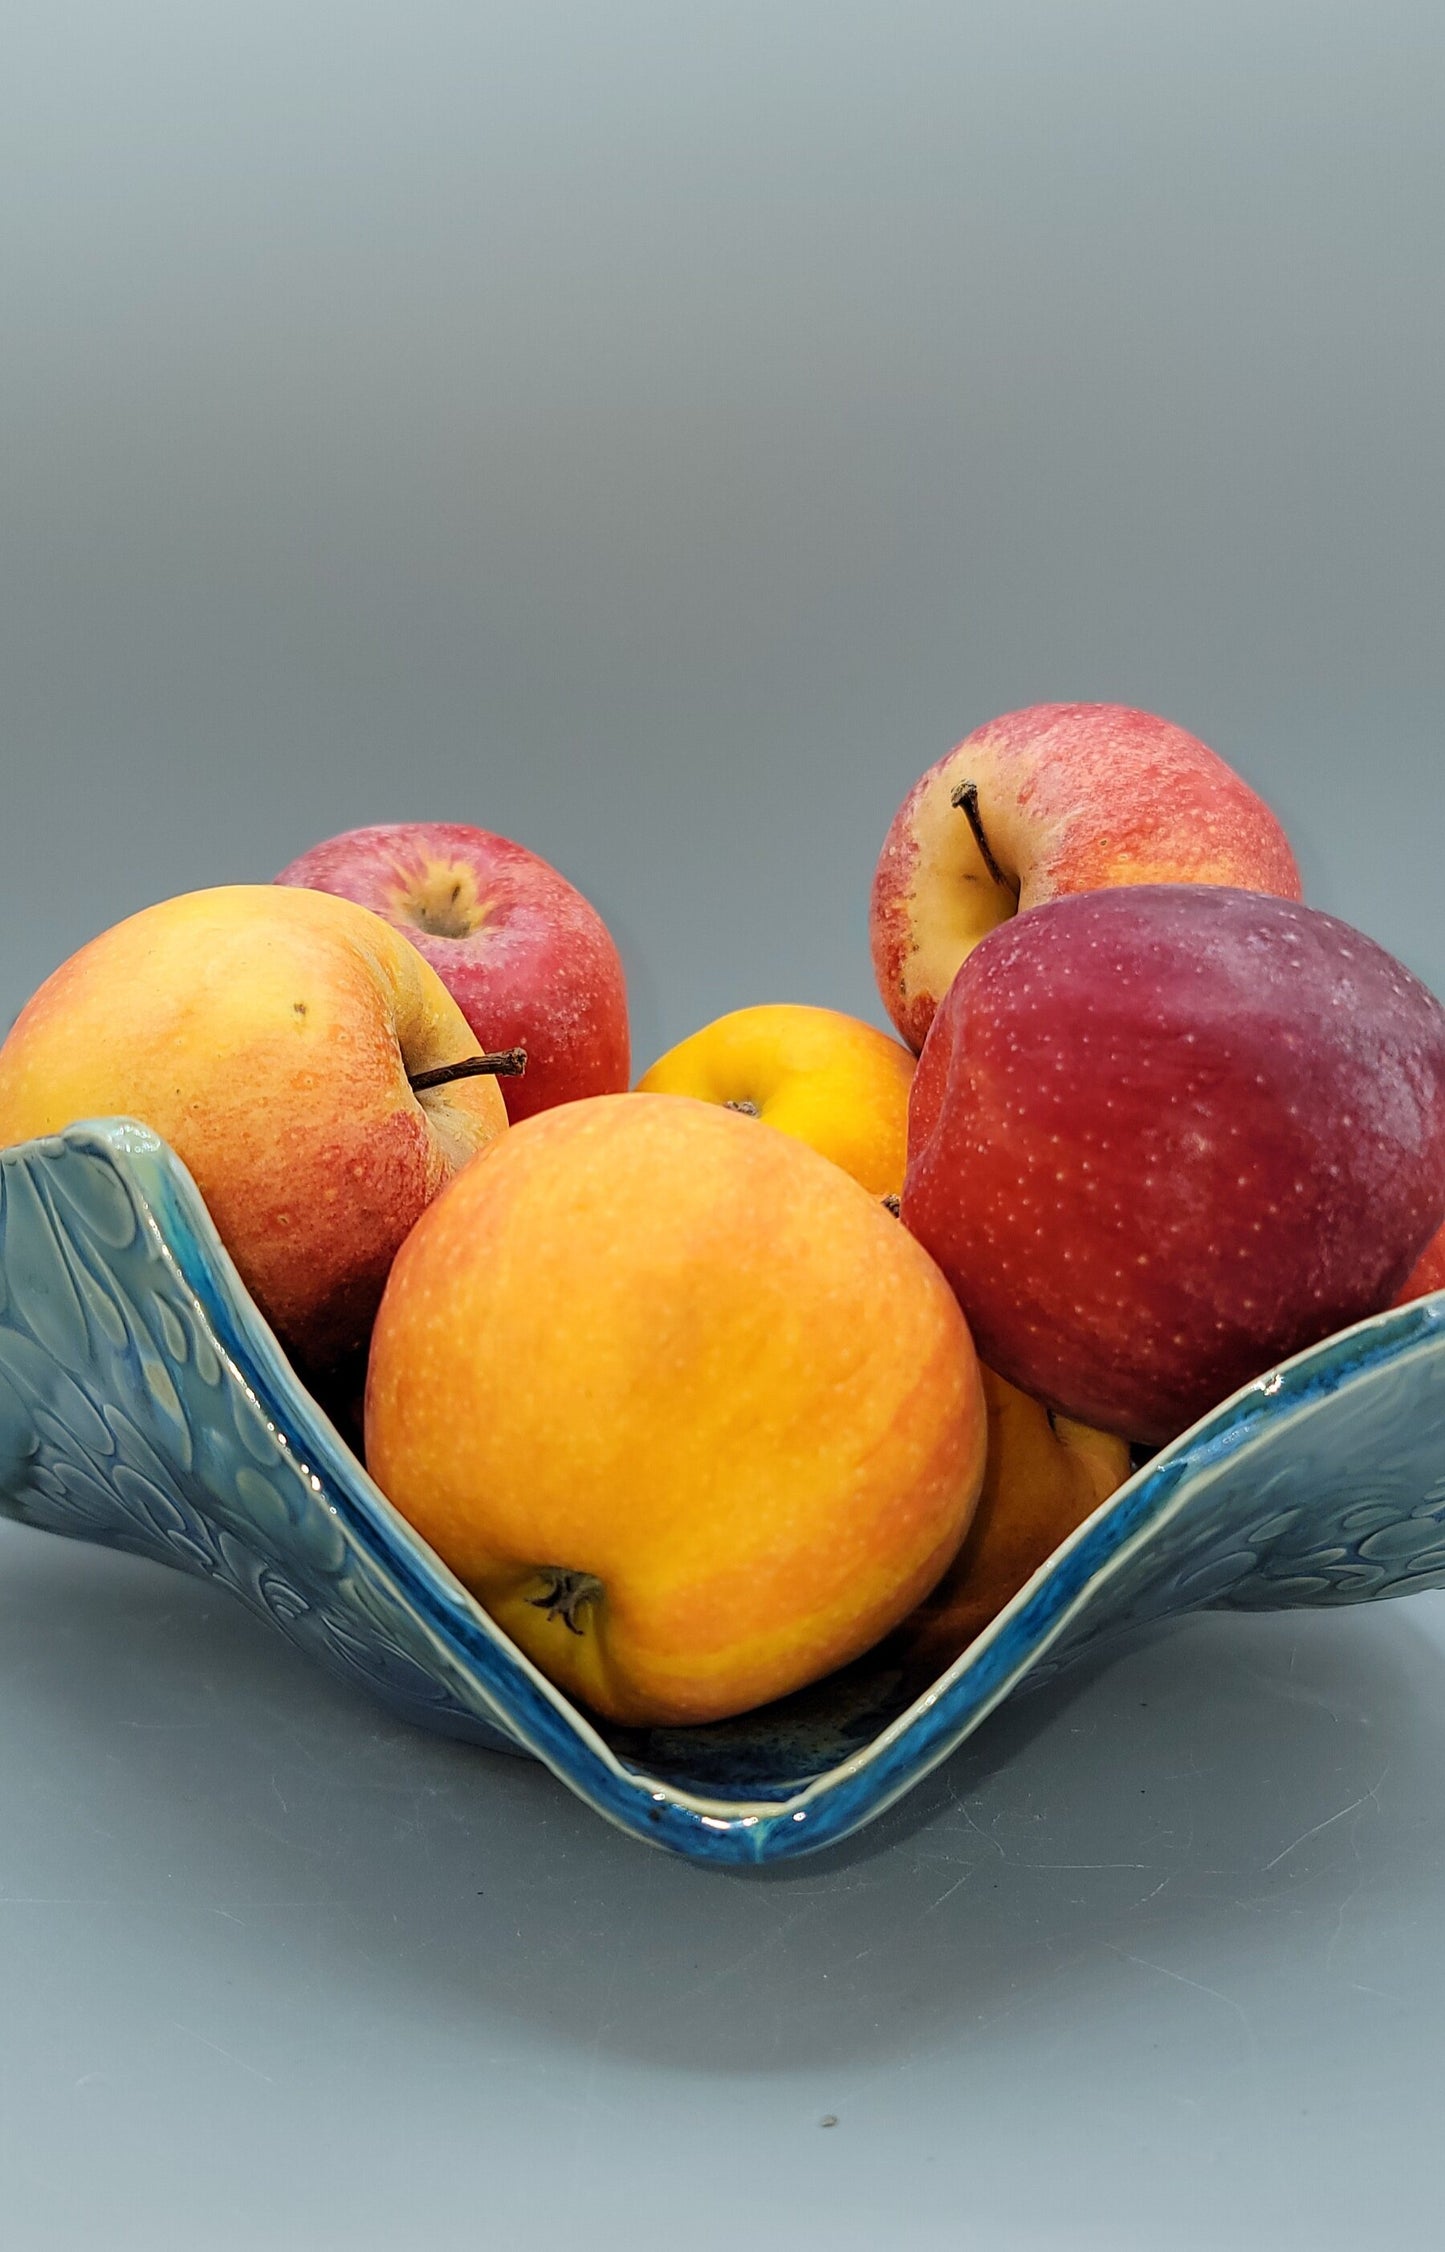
{"points": [[146, 1405]]}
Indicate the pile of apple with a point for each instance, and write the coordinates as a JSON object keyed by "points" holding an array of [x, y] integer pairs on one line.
{"points": [[707, 1388]]}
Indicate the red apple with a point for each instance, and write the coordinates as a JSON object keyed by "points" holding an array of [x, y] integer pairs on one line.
{"points": [[1041, 803], [529, 962], [1427, 1274], [1163, 1136]]}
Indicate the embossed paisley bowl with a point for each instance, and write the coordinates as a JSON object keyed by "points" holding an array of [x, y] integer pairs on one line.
{"points": [[145, 1404]]}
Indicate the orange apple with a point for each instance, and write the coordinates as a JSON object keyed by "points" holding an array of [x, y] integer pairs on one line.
{"points": [[1045, 1475], [836, 1083], [682, 1405], [1041, 803], [271, 1037]]}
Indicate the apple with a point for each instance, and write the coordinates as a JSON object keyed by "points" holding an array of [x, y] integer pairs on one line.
{"points": [[282, 1043], [1044, 1476], [836, 1083], [1427, 1274], [527, 959], [683, 1405], [843, 1087], [1163, 1136], [1042, 803]]}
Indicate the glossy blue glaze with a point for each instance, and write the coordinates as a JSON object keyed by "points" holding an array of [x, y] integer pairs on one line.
{"points": [[146, 1405]]}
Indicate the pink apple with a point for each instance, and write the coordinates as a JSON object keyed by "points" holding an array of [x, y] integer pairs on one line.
{"points": [[1163, 1136], [1057, 799], [527, 959]]}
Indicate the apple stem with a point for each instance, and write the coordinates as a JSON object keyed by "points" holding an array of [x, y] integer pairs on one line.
{"points": [[565, 1594], [893, 1204], [965, 797], [508, 1063]]}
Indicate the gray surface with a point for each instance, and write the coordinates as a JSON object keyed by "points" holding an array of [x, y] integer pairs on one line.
{"points": [[1159, 1962], [657, 433]]}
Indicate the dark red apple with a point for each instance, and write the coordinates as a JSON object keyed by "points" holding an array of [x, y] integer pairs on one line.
{"points": [[528, 960], [1162, 1136]]}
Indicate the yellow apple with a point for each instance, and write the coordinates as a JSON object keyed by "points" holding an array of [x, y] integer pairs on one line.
{"points": [[836, 1083], [684, 1406], [271, 1037]]}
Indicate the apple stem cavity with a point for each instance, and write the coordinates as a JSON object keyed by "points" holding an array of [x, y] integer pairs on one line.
{"points": [[507, 1063], [744, 1107], [965, 797], [565, 1594]]}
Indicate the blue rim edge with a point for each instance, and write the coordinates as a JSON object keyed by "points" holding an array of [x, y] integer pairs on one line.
{"points": [[527, 1708]]}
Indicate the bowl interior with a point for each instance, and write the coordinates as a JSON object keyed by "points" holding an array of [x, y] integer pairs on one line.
{"points": [[145, 1404]]}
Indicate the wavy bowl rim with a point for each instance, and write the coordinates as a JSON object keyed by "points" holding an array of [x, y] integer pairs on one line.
{"points": [[537, 1716]]}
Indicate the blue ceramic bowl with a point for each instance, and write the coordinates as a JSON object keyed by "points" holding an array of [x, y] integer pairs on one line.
{"points": [[145, 1404]]}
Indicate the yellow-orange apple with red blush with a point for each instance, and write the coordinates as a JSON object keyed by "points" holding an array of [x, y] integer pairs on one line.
{"points": [[683, 1405], [1040, 803], [271, 1038], [836, 1083]]}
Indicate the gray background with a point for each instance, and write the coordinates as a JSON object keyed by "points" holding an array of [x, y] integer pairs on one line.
{"points": [[657, 432]]}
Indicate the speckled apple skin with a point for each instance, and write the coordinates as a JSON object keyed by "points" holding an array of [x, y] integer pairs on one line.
{"points": [[654, 1341], [1427, 1274], [1162, 1137], [1072, 797], [537, 969]]}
